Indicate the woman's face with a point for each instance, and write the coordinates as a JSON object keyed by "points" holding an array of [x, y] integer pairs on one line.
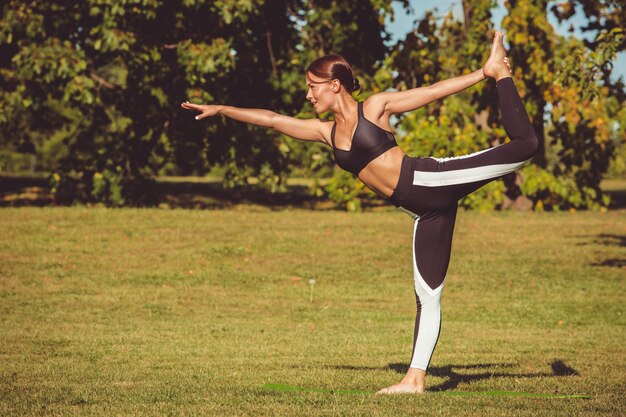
{"points": [[320, 92]]}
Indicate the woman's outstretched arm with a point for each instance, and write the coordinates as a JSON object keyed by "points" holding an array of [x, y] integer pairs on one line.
{"points": [[409, 100], [403, 101], [302, 129]]}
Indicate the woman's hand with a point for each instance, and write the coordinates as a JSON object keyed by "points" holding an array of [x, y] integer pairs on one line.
{"points": [[206, 110]]}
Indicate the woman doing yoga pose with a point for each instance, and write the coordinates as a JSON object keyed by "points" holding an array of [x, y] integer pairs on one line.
{"points": [[426, 188]]}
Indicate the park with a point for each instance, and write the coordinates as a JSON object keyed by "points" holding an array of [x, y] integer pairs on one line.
{"points": [[151, 264]]}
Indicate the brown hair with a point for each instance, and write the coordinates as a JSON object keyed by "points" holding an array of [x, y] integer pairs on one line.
{"points": [[332, 67]]}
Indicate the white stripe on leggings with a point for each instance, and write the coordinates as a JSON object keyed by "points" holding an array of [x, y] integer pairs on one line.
{"points": [[452, 158], [430, 316], [463, 176], [417, 276]]}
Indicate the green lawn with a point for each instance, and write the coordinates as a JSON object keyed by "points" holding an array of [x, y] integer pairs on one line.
{"points": [[175, 312]]}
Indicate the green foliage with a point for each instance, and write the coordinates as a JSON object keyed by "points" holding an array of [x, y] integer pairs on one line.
{"points": [[582, 130], [94, 87], [617, 166], [558, 192], [90, 91], [14, 162], [345, 190], [107, 187], [486, 198], [561, 77], [569, 80]]}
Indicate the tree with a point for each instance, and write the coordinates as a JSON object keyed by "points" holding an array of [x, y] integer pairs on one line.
{"points": [[97, 81], [575, 108], [568, 83], [92, 89], [95, 86]]}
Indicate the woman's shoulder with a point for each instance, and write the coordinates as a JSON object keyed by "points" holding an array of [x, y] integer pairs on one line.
{"points": [[374, 104], [327, 127], [374, 110]]}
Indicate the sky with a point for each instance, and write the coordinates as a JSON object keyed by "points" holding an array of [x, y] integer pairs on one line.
{"points": [[404, 23]]}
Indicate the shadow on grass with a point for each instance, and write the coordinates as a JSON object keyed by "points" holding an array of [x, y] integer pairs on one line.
{"points": [[606, 239], [19, 191], [196, 193], [202, 193], [610, 239], [613, 262], [454, 377]]}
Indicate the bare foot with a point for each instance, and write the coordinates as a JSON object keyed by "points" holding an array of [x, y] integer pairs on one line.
{"points": [[497, 65], [401, 389], [412, 383]]}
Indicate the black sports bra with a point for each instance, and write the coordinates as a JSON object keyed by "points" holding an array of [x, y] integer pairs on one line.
{"points": [[369, 141]]}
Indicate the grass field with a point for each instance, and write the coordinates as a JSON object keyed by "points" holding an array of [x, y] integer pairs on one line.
{"points": [[176, 312]]}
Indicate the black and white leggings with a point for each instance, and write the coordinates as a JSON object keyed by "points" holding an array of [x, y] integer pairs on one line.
{"points": [[429, 189]]}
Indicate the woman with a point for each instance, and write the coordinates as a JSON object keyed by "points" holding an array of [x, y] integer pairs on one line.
{"points": [[425, 188]]}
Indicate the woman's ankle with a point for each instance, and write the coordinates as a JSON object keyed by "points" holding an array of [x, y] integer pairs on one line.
{"points": [[503, 74], [414, 377]]}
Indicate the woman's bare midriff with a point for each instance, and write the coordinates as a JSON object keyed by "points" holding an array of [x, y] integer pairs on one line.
{"points": [[381, 174]]}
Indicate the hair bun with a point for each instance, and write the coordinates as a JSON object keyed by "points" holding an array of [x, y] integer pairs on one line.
{"points": [[356, 85]]}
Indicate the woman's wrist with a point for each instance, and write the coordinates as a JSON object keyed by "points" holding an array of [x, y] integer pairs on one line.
{"points": [[482, 74]]}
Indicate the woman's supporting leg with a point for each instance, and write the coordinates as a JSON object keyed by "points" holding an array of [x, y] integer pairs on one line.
{"points": [[432, 242], [427, 328]]}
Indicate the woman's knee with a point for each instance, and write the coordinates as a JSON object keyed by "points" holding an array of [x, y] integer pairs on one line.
{"points": [[528, 143], [533, 143]]}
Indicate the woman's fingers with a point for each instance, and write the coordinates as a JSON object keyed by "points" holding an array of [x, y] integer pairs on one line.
{"points": [[507, 62], [188, 105], [206, 110]]}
